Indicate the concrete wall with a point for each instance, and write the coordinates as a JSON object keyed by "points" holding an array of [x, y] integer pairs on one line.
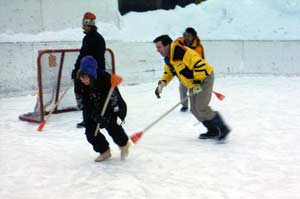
{"points": [[33, 16], [139, 62], [259, 57]]}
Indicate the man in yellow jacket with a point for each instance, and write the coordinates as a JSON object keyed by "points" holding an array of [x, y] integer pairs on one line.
{"points": [[197, 75], [191, 40]]}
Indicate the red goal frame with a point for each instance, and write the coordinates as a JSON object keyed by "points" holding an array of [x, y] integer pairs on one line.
{"points": [[39, 116]]}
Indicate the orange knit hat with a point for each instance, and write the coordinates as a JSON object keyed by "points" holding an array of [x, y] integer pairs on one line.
{"points": [[89, 19]]}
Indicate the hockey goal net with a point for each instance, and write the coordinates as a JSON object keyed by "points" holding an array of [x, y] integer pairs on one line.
{"points": [[54, 68]]}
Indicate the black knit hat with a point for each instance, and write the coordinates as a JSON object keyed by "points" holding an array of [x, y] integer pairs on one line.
{"points": [[192, 31], [88, 66]]}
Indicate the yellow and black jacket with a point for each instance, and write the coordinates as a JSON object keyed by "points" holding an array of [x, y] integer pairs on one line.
{"points": [[187, 65], [196, 45]]}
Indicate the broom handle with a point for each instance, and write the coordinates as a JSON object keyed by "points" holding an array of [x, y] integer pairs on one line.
{"points": [[104, 108], [115, 80], [166, 113], [58, 101]]}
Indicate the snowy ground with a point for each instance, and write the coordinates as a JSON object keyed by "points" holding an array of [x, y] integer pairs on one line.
{"points": [[259, 160]]}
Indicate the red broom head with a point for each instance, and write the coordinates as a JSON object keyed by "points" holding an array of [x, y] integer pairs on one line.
{"points": [[136, 137], [219, 96], [41, 126]]}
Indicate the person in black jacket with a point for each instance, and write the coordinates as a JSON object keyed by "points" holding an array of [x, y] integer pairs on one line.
{"points": [[95, 86], [92, 44]]}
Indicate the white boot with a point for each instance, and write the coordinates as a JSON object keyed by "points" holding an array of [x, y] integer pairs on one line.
{"points": [[103, 156], [124, 151]]}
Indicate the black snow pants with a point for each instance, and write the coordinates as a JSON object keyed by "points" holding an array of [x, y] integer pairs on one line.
{"points": [[99, 143]]}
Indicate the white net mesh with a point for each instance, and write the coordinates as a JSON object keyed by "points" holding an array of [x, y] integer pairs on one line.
{"points": [[55, 78]]}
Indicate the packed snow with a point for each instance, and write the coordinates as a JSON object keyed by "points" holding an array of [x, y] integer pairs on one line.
{"points": [[213, 19], [260, 158]]}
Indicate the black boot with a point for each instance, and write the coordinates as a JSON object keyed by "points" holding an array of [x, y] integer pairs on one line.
{"points": [[221, 127], [217, 129], [211, 132], [184, 109], [80, 125]]}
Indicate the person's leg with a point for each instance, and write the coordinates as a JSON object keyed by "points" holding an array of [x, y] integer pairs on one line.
{"points": [[200, 102], [79, 100], [98, 142], [119, 137], [117, 132], [216, 127], [183, 93]]}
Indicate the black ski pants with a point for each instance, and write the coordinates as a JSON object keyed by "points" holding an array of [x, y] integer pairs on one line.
{"points": [[99, 142]]}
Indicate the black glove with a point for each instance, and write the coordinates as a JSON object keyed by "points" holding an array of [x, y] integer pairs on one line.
{"points": [[102, 120], [74, 74], [157, 92], [159, 88], [79, 100]]}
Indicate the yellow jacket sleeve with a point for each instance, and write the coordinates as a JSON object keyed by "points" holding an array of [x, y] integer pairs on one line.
{"points": [[201, 69], [168, 75]]}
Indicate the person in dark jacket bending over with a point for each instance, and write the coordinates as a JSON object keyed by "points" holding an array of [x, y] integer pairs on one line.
{"points": [[95, 86], [92, 44], [197, 75]]}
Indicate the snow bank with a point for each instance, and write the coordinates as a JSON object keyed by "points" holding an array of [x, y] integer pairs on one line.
{"points": [[36, 16], [213, 20]]}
